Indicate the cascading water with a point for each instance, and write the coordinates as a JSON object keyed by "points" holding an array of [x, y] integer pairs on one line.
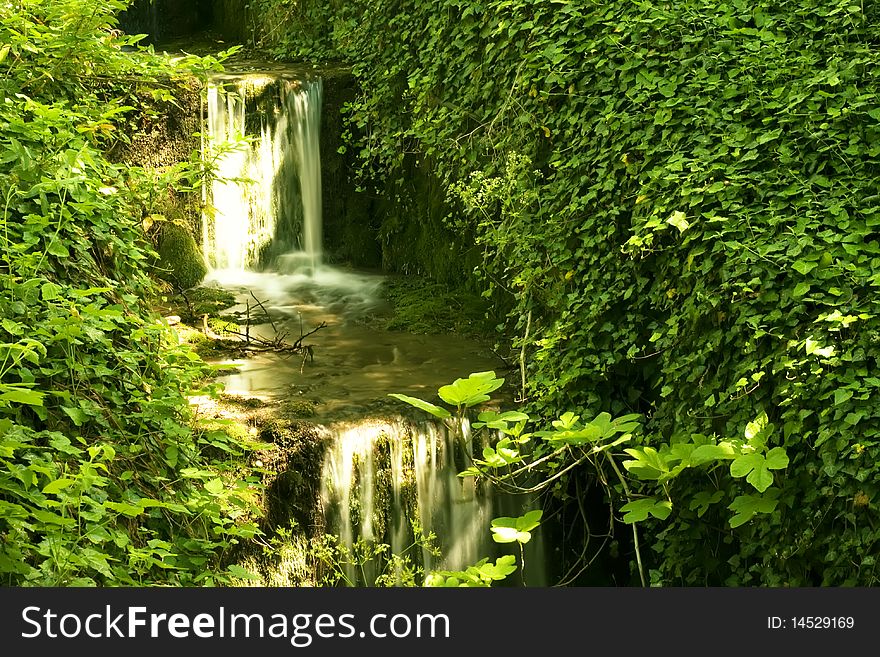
{"points": [[381, 476], [394, 481], [264, 207]]}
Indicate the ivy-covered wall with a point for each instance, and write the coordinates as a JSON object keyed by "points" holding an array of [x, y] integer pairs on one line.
{"points": [[680, 202]]}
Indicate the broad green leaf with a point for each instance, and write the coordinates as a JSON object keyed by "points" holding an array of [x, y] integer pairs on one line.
{"points": [[56, 248], [214, 486], [508, 530], [502, 567], [58, 485], [804, 267], [566, 421], [78, 416], [744, 464], [50, 291], [501, 534], [53, 518], [745, 507], [646, 463], [756, 430], [679, 220], [777, 459], [703, 500], [20, 395], [124, 508], [470, 391], [530, 520], [707, 453], [761, 478], [639, 510], [436, 411]]}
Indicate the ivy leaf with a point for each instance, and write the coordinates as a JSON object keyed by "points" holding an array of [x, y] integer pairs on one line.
{"points": [[678, 219], [436, 411]]}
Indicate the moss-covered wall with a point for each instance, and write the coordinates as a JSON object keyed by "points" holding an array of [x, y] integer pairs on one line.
{"points": [[165, 137], [350, 225], [233, 20]]}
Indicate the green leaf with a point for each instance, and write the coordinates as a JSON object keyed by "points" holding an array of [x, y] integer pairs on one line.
{"points": [[20, 395], [124, 508], [707, 453], [241, 573], [801, 289], [436, 411], [679, 220], [639, 510], [509, 530], [58, 485], [56, 248], [214, 486], [470, 391], [777, 459], [78, 416], [746, 507], [502, 567], [804, 267], [50, 291], [646, 463]]}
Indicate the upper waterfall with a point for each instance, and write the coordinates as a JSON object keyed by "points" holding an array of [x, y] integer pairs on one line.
{"points": [[263, 208]]}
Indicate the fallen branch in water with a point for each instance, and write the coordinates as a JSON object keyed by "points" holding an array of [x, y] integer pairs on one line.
{"points": [[277, 344]]}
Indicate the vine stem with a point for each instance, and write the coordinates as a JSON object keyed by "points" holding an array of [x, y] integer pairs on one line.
{"points": [[635, 530]]}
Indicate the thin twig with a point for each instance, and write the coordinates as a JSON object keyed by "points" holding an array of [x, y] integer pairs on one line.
{"points": [[266, 312]]}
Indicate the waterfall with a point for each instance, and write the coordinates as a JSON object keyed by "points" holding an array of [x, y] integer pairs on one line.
{"points": [[263, 209], [386, 481]]}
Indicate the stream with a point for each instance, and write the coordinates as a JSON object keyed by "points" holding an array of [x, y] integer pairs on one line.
{"points": [[386, 476]]}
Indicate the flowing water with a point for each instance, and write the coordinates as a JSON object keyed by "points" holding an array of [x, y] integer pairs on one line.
{"points": [[386, 478]]}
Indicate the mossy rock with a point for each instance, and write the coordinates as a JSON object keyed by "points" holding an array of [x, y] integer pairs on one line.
{"points": [[297, 408], [180, 260]]}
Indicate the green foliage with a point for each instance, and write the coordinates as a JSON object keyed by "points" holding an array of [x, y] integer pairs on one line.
{"points": [[180, 260], [102, 479], [481, 574], [510, 530], [464, 393], [679, 202]]}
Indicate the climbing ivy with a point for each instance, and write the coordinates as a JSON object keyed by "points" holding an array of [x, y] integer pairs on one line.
{"points": [[105, 476], [679, 203]]}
